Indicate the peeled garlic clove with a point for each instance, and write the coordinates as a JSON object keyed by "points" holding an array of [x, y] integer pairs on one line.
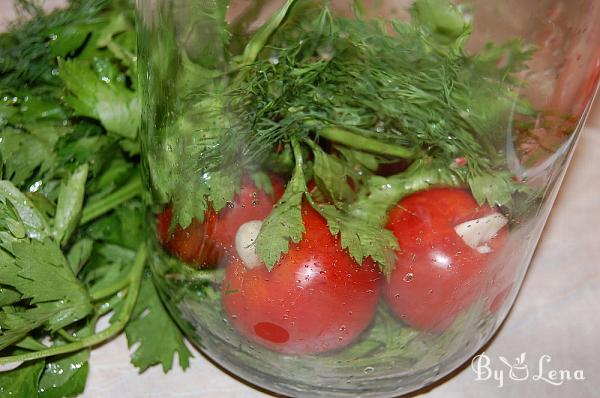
{"points": [[475, 233], [245, 243]]}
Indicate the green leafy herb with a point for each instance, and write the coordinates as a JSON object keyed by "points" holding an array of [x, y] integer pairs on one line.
{"points": [[65, 376], [23, 381], [25, 56], [69, 205], [362, 239], [41, 273], [333, 176], [284, 224], [116, 107], [71, 220], [33, 155], [32, 220], [164, 340]]}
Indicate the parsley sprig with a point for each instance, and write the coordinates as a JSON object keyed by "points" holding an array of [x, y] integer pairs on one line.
{"points": [[71, 216]]}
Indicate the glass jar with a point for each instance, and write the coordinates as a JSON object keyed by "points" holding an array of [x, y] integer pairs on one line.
{"points": [[346, 195]]}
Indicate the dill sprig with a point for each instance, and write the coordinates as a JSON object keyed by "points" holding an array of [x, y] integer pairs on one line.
{"points": [[350, 81], [26, 56]]}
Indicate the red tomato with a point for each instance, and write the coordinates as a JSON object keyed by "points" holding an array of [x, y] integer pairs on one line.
{"points": [[315, 299], [191, 244], [249, 204], [437, 274], [200, 242]]}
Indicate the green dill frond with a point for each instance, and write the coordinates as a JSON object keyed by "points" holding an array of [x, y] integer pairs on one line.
{"points": [[407, 89]]}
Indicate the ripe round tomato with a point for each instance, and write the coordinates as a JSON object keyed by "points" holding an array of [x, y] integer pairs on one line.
{"points": [[202, 243], [437, 274], [315, 299]]}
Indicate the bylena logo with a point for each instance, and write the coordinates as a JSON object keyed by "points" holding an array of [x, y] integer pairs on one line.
{"points": [[519, 370]]}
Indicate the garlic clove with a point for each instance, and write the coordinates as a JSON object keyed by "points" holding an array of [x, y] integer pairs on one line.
{"points": [[476, 233], [245, 243]]}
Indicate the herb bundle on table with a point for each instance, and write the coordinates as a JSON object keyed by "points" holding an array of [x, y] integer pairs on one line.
{"points": [[71, 214]]}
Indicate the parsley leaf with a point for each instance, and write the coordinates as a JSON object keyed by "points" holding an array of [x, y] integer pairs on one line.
{"points": [[79, 254], [70, 203], [499, 189], [362, 238], [35, 155], [64, 376], [8, 296], [16, 323], [332, 175], [110, 263], [41, 273], [158, 337], [284, 224], [116, 106], [33, 221], [23, 381], [361, 224]]}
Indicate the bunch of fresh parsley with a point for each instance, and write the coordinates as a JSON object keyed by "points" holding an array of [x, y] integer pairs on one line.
{"points": [[71, 214]]}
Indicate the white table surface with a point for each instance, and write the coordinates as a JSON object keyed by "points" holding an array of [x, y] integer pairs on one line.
{"points": [[555, 314]]}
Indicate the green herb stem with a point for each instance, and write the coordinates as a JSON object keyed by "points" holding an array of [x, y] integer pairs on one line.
{"points": [[66, 335], [121, 320], [258, 41], [110, 290], [297, 155], [360, 142], [104, 307], [96, 209], [199, 275]]}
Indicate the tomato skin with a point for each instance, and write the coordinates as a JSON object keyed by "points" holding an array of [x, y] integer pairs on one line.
{"points": [[437, 274], [192, 244], [315, 299], [204, 243]]}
